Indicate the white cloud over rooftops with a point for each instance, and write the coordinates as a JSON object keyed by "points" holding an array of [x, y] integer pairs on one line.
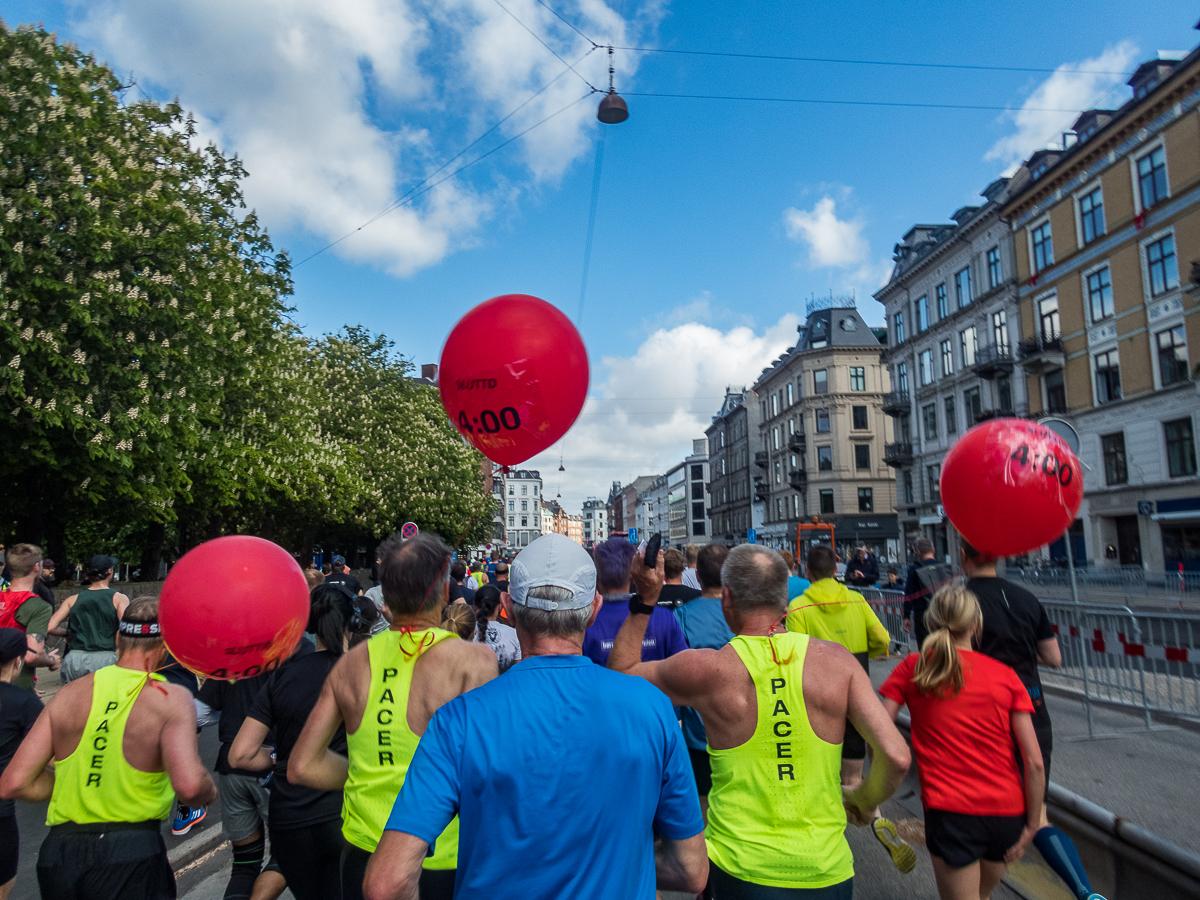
{"points": [[831, 241]]}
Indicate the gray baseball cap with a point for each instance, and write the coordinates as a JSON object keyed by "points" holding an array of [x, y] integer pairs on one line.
{"points": [[553, 559]]}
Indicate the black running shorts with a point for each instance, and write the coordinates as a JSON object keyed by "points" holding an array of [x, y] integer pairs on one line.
{"points": [[961, 839], [109, 861]]}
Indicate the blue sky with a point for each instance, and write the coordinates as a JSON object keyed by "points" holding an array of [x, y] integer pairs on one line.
{"points": [[715, 219]]}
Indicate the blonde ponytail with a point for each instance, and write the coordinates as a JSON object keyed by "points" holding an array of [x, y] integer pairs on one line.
{"points": [[953, 613]]}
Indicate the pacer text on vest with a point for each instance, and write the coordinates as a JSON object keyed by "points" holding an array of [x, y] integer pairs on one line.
{"points": [[384, 718], [782, 728], [99, 739]]}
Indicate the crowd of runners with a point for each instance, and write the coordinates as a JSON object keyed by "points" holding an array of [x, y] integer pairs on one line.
{"points": [[568, 724]]}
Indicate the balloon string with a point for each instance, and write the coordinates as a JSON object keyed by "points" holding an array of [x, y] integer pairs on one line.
{"points": [[771, 642], [409, 630]]}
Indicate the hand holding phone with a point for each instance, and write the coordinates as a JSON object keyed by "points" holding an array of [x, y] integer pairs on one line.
{"points": [[650, 553]]}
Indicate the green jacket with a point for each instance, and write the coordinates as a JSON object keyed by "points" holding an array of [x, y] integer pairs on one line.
{"points": [[832, 612]]}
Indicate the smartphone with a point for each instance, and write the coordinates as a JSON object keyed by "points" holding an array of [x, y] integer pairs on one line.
{"points": [[650, 559]]}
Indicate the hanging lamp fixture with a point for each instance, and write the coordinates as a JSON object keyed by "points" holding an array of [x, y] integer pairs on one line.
{"points": [[612, 110]]}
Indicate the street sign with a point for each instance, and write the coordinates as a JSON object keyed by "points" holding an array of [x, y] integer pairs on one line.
{"points": [[1145, 507], [633, 535], [409, 530], [751, 536]]}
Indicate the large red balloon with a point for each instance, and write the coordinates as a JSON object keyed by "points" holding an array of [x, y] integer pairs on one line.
{"points": [[1011, 485], [513, 377], [233, 607]]}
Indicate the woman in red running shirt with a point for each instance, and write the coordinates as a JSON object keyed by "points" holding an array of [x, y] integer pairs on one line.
{"points": [[966, 709]]}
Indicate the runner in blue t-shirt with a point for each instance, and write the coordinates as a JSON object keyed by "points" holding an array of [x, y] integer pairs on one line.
{"points": [[571, 773], [663, 637]]}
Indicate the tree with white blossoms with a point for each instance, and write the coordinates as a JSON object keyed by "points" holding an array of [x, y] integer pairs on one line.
{"points": [[149, 380]]}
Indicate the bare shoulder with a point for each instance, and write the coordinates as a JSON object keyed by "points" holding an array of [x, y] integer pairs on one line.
{"points": [[351, 668], [72, 697], [829, 665], [463, 656]]}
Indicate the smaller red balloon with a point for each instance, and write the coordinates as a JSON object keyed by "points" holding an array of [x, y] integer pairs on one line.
{"points": [[1011, 485], [513, 377], [233, 607]]}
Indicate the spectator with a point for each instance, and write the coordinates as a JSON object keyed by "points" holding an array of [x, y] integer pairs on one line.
{"points": [[341, 575], [675, 593], [925, 576], [704, 627], [796, 584], [554, 738], [314, 577], [863, 569], [690, 553], [774, 706], [19, 709], [663, 637]]}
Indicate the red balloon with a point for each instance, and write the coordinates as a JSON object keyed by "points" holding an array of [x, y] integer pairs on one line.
{"points": [[513, 377], [1010, 485], [233, 607]]}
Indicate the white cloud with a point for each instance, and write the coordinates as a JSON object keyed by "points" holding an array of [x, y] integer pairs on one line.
{"points": [[831, 241], [642, 417], [338, 107], [1073, 86]]}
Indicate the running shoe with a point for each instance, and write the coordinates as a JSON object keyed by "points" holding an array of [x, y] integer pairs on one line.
{"points": [[904, 857], [187, 817], [1095, 896]]}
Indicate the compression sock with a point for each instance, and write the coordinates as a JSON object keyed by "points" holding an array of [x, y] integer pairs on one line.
{"points": [[247, 863], [1060, 854]]}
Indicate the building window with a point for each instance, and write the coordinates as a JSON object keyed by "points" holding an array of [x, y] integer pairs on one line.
{"points": [[1108, 377], [822, 421], [1056, 392], [826, 502], [902, 378], [862, 456], [925, 367], [697, 510], [934, 474], [789, 394], [512, 490], [969, 344], [800, 386], [905, 428], [866, 500], [820, 382], [1043, 247], [778, 473], [1181, 448], [1115, 469], [1004, 394], [795, 506], [947, 358], [859, 417], [993, 264], [922, 313], [697, 472], [698, 490], [962, 287], [524, 490], [951, 417], [775, 438], [524, 506], [824, 459], [929, 416], [1000, 330], [858, 378], [1091, 216], [774, 405], [1172, 356], [698, 528], [535, 490], [1048, 318], [908, 487], [524, 521], [973, 405], [511, 519], [1160, 260], [899, 328], [1152, 177], [512, 505], [1100, 296]]}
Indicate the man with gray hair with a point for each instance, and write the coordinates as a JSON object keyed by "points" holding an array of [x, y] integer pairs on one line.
{"points": [[774, 705], [560, 772]]}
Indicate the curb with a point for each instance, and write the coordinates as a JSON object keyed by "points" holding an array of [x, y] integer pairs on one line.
{"points": [[195, 847]]}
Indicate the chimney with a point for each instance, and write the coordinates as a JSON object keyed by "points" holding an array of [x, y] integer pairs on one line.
{"points": [[429, 371]]}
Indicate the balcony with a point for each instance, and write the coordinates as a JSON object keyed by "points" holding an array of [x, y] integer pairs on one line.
{"points": [[993, 361], [762, 490], [796, 443], [1037, 354], [898, 454], [896, 403], [798, 479], [761, 459]]}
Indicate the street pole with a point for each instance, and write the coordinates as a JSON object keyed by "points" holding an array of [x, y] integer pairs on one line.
{"points": [[1083, 635]]}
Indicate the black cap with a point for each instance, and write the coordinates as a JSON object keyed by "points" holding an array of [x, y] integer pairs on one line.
{"points": [[101, 563], [12, 644]]}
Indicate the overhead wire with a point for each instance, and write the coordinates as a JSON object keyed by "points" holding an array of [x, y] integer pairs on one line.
{"points": [[595, 89], [884, 103], [568, 23]]}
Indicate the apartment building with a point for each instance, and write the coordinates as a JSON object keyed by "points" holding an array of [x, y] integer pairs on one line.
{"points": [[518, 521], [822, 433], [1107, 245], [953, 324], [734, 510], [595, 522], [687, 499]]}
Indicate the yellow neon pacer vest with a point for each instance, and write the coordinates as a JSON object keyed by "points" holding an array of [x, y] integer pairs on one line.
{"points": [[95, 783], [383, 746], [775, 813]]}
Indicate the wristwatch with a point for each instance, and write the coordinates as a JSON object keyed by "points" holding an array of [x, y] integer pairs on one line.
{"points": [[637, 606]]}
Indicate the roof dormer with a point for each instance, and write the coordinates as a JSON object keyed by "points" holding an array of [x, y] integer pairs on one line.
{"points": [[1151, 74]]}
